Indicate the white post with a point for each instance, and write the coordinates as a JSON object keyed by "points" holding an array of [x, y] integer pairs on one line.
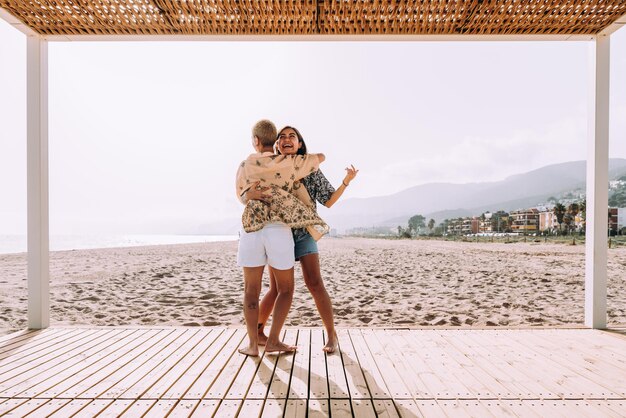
{"points": [[597, 184], [37, 184]]}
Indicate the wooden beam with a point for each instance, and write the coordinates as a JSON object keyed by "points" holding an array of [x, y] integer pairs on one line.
{"points": [[597, 183], [37, 182], [315, 38], [615, 26], [16, 23]]}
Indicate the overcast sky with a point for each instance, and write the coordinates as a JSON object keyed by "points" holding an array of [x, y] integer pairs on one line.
{"points": [[149, 135]]}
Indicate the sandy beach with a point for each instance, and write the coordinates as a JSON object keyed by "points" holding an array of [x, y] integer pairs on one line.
{"points": [[375, 283]]}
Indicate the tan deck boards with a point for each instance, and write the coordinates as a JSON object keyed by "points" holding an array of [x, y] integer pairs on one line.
{"points": [[184, 372]]}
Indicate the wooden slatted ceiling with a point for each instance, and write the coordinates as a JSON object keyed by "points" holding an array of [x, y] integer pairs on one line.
{"points": [[307, 17]]}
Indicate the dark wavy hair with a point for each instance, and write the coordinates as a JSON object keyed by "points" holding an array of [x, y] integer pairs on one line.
{"points": [[302, 149]]}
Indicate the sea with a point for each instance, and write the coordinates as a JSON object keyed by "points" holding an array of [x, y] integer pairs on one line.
{"points": [[17, 243]]}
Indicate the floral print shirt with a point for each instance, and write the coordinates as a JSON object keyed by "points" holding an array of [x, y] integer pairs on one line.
{"points": [[281, 174]]}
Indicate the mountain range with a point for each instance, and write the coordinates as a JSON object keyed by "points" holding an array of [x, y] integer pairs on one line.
{"points": [[450, 200]]}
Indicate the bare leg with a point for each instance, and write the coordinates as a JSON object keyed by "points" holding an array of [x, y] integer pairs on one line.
{"points": [[252, 290], [284, 286], [266, 307], [313, 280]]}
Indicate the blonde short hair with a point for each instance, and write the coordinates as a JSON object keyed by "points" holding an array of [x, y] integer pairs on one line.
{"points": [[265, 130]]}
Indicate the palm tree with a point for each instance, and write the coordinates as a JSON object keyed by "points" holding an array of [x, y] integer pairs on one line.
{"points": [[559, 211], [583, 208], [444, 225], [568, 220], [583, 215], [499, 221], [416, 222], [495, 222], [573, 210], [431, 224]]}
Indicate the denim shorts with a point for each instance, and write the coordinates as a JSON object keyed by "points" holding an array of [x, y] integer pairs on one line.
{"points": [[304, 244]]}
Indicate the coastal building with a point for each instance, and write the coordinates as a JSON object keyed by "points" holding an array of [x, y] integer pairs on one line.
{"points": [[455, 226], [548, 221], [485, 226], [525, 220], [500, 222], [613, 221], [579, 222], [621, 219], [449, 227], [463, 226], [470, 226]]}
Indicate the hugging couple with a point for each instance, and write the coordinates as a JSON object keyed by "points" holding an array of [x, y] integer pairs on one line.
{"points": [[279, 184]]}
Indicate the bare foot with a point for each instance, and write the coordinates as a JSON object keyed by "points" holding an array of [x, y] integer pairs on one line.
{"points": [[331, 345], [249, 351], [279, 347], [262, 338]]}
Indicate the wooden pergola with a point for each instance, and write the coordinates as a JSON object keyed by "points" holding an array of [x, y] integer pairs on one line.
{"points": [[72, 19], [44, 21]]}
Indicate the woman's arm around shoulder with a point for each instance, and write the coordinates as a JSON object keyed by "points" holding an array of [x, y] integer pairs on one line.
{"points": [[303, 157]]}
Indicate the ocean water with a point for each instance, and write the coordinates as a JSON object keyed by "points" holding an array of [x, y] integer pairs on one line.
{"points": [[17, 243]]}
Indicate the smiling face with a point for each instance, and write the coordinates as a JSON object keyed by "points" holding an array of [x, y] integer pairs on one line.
{"points": [[288, 143]]}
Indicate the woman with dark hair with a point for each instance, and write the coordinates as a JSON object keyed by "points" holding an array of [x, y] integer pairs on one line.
{"points": [[316, 189]]}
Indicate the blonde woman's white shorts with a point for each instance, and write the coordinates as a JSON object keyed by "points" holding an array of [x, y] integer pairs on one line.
{"points": [[271, 245]]}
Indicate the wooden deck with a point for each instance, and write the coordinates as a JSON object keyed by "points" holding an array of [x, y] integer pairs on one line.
{"points": [[181, 372]]}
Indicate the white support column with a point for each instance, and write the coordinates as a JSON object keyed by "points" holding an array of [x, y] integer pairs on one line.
{"points": [[597, 184], [37, 184]]}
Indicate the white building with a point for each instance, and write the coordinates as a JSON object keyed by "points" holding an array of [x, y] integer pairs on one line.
{"points": [[621, 218]]}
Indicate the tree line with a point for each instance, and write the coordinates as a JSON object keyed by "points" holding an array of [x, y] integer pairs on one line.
{"points": [[500, 221]]}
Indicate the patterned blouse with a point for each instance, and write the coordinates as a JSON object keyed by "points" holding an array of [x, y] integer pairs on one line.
{"points": [[319, 187]]}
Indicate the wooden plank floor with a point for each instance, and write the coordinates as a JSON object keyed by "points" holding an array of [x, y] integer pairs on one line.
{"points": [[197, 372]]}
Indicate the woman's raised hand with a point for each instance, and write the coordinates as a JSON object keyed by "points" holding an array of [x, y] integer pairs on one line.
{"points": [[351, 173]]}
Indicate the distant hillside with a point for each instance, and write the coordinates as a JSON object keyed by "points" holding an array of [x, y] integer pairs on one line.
{"points": [[447, 200]]}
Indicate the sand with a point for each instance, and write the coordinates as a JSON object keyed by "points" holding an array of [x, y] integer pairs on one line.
{"points": [[374, 283]]}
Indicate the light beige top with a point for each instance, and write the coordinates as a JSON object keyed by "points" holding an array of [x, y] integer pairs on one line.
{"points": [[279, 173]]}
